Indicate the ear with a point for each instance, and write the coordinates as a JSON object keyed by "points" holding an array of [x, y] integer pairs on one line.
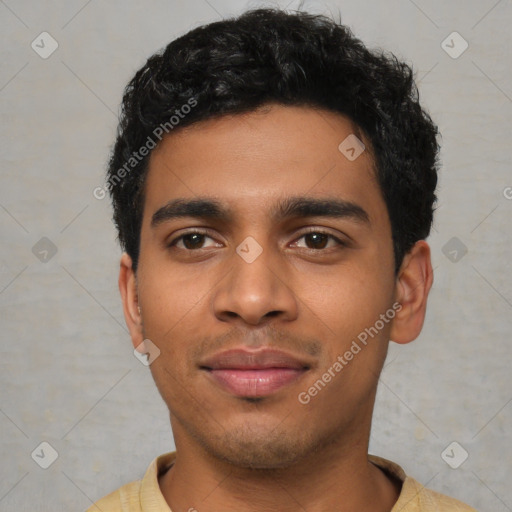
{"points": [[128, 289], [413, 285]]}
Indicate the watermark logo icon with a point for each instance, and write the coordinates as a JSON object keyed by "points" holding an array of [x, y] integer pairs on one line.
{"points": [[44, 45], [351, 147], [249, 249], [454, 455], [507, 193], [454, 250], [454, 45], [146, 352], [44, 250], [44, 455]]}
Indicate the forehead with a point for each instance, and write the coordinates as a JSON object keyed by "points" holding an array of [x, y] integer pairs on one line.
{"points": [[251, 160]]}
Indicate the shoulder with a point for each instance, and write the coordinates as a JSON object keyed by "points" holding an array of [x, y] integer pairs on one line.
{"points": [[423, 499], [125, 499], [415, 497], [141, 494]]}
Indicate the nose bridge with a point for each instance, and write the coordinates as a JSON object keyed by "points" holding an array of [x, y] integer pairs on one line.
{"points": [[256, 284], [252, 266]]}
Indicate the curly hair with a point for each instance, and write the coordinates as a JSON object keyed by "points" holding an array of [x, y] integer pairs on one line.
{"points": [[271, 56]]}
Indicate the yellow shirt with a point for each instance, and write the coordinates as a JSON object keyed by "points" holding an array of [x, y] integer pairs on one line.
{"points": [[145, 495]]}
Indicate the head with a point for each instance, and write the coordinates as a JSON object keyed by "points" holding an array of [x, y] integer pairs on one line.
{"points": [[273, 183]]}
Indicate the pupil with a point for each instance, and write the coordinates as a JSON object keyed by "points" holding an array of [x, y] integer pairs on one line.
{"points": [[318, 238], [197, 240]]}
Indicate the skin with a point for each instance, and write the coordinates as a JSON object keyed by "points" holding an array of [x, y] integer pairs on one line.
{"points": [[307, 295]]}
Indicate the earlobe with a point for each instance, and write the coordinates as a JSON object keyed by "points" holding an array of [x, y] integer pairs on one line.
{"points": [[129, 296], [413, 285]]}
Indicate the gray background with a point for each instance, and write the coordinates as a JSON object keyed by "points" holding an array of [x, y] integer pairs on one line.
{"points": [[68, 374]]}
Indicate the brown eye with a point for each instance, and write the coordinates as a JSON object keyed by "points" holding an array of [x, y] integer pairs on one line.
{"points": [[318, 240], [194, 240]]}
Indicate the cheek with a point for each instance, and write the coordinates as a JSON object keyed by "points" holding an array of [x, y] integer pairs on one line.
{"points": [[347, 316], [168, 309], [170, 297], [175, 315], [355, 339], [350, 297]]}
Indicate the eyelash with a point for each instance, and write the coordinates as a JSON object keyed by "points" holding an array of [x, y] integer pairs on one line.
{"points": [[339, 242]]}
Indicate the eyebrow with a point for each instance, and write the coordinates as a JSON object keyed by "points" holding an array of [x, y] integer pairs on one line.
{"points": [[292, 207]]}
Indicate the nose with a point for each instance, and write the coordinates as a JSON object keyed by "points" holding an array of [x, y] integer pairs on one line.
{"points": [[256, 291]]}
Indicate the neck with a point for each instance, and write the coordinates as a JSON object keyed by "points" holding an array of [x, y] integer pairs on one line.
{"points": [[337, 477]]}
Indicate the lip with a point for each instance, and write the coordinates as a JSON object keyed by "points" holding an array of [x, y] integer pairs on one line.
{"points": [[249, 373]]}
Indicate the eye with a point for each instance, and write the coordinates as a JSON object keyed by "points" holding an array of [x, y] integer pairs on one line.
{"points": [[315, 239], [318, 240], [193, 240]]}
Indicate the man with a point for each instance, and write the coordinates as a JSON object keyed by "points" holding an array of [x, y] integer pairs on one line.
{"points": [[273, 184]]}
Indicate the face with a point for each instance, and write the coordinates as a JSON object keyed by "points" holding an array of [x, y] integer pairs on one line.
{"points": [[265, 254]]}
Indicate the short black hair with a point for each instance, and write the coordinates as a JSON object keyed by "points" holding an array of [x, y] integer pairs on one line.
{"points": [[266, 56]]}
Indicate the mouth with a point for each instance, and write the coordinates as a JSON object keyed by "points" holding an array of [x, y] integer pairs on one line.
{"points": [[254, 374]]}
